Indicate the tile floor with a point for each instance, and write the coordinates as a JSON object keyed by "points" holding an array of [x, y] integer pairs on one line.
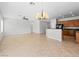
{"points": [[36, 45]]}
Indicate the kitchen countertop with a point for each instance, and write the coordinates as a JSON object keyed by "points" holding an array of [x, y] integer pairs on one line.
{"points": [[72, 28]]}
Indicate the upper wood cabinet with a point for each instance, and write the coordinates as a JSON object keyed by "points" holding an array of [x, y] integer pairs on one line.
{"points": [[76, 23], [69, 23]]}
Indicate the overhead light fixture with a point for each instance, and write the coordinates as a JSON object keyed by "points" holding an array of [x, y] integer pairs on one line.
{"points": [[43, 15], [32, 3]]}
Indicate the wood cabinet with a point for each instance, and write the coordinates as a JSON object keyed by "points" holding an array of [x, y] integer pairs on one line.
{"points": [[69, 23], [77, 36], [76, 23], [68, 32], [65, 32]]}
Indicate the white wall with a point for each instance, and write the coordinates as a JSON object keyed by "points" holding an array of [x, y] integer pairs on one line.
{"points": [[1, 25], [36, 26], [0, 28], [16, 26], [53, 23]]}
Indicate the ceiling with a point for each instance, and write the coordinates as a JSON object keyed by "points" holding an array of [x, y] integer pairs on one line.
{"points": [[54, 9]]}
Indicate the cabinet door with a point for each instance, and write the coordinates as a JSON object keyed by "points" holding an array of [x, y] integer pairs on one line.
{"points": [[66, 23], [68, 32], [71, 32], [71, 23], [77, 36], [76, 23], [65, 32]]}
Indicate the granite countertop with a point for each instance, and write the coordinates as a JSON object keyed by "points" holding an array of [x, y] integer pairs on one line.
{"points": [[73, 28]]}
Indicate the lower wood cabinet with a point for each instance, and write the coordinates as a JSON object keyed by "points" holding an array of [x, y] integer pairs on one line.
{"points": [[68, 32], [77, 36]]}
